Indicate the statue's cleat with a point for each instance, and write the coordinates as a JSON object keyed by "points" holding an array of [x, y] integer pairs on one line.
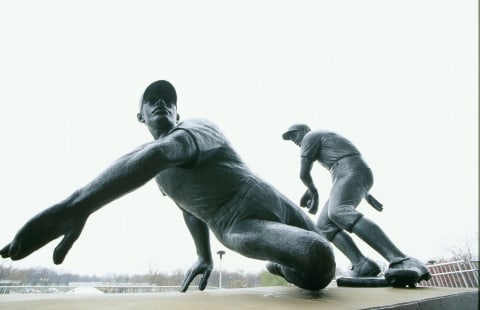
{"points": [[406, 271], [366, 268]]}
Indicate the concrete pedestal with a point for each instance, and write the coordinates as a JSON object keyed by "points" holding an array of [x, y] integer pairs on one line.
{"points": [[263, 298]]}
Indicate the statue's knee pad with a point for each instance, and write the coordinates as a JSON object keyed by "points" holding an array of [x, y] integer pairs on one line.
{"points": [[329, 231], [344, 216], [326, 226]]}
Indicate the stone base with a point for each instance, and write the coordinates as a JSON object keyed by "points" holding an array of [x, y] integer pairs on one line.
{"points": [[264, 298]]}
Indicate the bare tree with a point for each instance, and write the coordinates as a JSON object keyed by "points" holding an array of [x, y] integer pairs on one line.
{"points": [[5, 272], [153, 274], [463, 249]]}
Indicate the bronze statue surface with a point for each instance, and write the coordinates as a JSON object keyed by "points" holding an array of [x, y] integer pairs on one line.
{"points": [[196, 166], [352, 179]]}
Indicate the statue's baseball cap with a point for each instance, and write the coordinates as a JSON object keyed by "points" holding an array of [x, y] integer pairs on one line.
{"points": [[288, 135], [160, 87]]}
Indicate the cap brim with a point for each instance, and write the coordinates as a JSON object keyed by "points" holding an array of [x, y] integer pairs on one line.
{"points": [[288, 135]]}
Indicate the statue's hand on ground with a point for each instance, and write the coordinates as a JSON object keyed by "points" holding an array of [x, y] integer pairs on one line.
{"points": [[201, 266], [46, 226]]}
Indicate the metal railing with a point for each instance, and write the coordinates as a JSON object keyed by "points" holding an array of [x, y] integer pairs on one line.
{"points": [[462, 273], [31, 289]]}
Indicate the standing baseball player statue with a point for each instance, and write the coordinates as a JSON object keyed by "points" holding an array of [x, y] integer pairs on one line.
{"points": [[195, 165], [352, 180]]}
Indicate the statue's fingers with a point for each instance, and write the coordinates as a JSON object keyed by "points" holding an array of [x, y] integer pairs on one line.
{"points": [[204, 280], [4, 252], [65, 245], [14, 251], [313, 209], [187, 280], [303, 203]]}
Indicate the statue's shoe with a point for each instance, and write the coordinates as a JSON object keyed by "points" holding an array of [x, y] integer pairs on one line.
{"points": [[366, 268], [406, 271]]}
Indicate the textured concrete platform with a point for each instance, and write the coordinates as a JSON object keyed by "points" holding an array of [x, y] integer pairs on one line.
{"points": [[263, 298]]}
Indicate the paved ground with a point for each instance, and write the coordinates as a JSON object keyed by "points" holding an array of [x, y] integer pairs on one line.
{"points": [[263, 298]]}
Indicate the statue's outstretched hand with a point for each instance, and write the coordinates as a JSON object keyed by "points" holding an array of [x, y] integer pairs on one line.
{"points": [[201, 266], [310, 200], [43, 228]]}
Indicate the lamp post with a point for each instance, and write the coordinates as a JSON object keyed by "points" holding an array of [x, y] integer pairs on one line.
{"points": [[220, 253]]}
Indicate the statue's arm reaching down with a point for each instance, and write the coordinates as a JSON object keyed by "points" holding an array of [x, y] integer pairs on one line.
{"points": [[310, 197], [204, 264]]}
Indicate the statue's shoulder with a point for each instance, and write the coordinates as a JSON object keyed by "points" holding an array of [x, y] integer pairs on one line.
{"points": [[207, 134], [321, 134], [197, 123]]}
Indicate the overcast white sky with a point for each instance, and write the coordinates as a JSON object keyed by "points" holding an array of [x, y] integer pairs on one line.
{"points": [[399, 78]]}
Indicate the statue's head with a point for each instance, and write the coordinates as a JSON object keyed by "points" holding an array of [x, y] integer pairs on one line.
{"points": [[160, 88], [158, 106], [296, 132]]}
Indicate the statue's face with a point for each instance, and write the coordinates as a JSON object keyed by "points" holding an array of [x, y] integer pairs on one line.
{"points": [[297, 137], [159, 111]]}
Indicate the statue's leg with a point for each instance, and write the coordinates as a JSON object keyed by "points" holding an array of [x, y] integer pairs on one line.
{"points": [[304, 257], [347, 246], [347, 192], [349, 188], [376, 238], [361, 265], [345, 195], [403, 270]]}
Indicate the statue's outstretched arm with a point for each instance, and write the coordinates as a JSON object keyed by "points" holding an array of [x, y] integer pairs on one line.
{"points": [[68, 217]]}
